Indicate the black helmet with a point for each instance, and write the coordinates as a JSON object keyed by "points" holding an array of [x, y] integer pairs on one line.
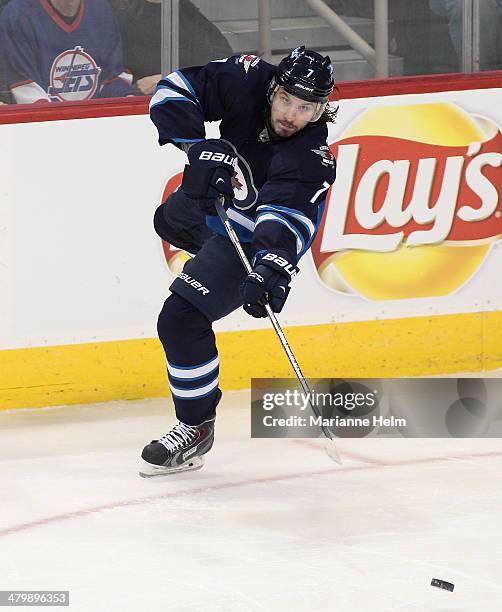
{"points": [[307, 75]]}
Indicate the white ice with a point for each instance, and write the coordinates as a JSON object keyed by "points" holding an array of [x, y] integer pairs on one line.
{"points": [[266, 525]]}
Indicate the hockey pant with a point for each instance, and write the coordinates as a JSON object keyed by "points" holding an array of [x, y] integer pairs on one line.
{"points": [[207, 290]]}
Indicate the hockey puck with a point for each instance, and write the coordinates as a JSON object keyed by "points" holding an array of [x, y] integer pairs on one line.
{"points": [[442, 584]]}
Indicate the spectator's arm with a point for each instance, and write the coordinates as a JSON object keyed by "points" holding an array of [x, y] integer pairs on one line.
{"points": [[146, 86]]}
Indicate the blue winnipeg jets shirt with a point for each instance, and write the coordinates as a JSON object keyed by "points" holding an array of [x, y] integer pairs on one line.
{"points": [[281, 183], [48, 59]]}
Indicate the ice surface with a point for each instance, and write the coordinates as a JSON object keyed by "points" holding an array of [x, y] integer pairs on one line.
{"points": [[266, 525]]}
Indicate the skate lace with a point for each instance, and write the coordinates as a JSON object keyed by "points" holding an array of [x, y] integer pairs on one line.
{"points": [[179, 435]]}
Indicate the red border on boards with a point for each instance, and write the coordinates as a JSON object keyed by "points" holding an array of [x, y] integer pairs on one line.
{"points": [[116, 107]]}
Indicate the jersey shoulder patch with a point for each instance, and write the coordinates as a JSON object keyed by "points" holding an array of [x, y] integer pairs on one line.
{"points": [[248, 61], [327, 158]]}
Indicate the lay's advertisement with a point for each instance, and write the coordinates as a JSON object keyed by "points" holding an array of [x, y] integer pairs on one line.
{"points": [[416, 207]]}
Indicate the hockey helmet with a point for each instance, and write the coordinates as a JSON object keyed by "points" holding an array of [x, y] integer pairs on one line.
{"points": [[307, 75]]}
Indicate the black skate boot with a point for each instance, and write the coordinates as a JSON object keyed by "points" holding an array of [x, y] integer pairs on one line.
{"points": [[180, 450]]}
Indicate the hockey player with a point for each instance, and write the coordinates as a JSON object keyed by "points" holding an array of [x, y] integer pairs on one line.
{"points": [[62, 50], [274, 166]]}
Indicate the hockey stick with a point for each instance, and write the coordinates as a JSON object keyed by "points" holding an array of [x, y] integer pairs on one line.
{"points": [[330, 445]]}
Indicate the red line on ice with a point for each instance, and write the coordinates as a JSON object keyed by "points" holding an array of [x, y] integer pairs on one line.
{"points": [[369, 464]]}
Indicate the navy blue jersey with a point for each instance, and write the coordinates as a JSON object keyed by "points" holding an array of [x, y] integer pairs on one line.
{"points": [[281, 183], [49, 59]]}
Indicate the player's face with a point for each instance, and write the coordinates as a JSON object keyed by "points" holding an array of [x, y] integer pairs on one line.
{"points": [[289, 113]]}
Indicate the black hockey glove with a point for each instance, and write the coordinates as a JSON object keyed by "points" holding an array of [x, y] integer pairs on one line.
{"points": [[209, 173], [271, 276]]}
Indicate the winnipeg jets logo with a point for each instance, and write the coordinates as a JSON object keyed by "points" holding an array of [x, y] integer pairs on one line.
{"points": [[295, 54], [326, 155], [74, 76], [248, 61], [245, 192]]}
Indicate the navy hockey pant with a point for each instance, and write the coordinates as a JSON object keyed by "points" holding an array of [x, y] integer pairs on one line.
{"points": [[207, 289]]}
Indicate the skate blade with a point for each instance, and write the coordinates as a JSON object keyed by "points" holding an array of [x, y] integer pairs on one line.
{"points": [[148, 470], [332, 451]]}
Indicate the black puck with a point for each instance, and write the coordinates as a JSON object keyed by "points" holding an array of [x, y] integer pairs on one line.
{"points": [[442, 584]]}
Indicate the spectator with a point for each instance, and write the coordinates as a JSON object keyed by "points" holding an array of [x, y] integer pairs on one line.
{"points": [[421, 38], [140, 22], [490, 19], [62, 50]]}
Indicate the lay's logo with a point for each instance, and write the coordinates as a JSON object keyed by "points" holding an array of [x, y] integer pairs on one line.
{"points": [[416, 204]]}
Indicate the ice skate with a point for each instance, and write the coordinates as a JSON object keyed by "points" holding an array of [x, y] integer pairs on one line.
{"points": [[180, 450]]}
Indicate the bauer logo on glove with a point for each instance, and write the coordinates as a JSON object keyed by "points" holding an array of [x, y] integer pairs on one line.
{"points": [[282, 263], [269, 280], [217, 157], [210, 171]]}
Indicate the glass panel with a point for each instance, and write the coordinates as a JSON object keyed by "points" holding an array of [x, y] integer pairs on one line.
{"points": [[64, 50], [425, 36], [61, 51], [424, 39], [419, 37]]}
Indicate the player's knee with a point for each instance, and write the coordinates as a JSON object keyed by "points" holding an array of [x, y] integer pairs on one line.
{"points": [[172, 317], [171, 216], [177, 319], [161, 223]]}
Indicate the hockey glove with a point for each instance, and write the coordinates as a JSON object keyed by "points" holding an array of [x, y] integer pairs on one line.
{"points": [[270, 278], [209, 173]]}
